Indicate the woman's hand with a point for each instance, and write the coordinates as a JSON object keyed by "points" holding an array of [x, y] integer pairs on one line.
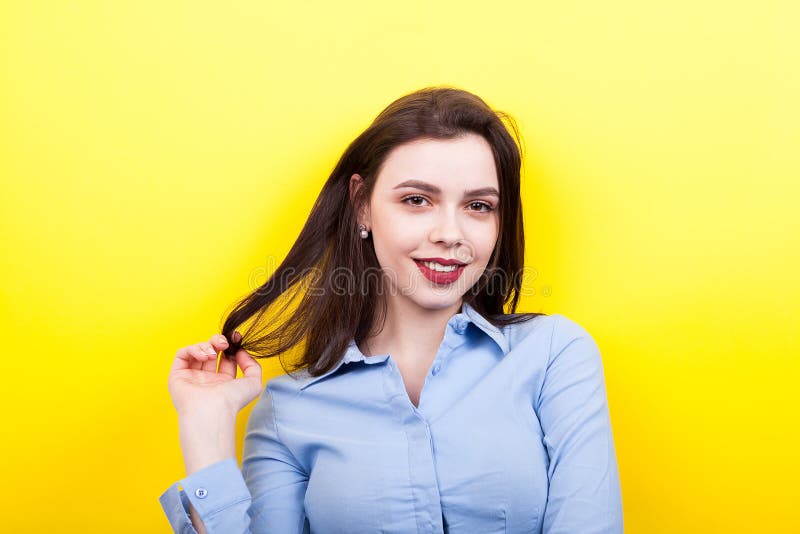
{"points": [[199, 389]]}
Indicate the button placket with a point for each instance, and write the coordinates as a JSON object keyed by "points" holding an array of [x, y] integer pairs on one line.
{"points": [[445, 349], [424, 484]]}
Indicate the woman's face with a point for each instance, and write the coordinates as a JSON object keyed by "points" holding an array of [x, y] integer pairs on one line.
{"points": [[434, 199]]}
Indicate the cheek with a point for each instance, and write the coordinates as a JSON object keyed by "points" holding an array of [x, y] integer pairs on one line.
{"points": [[392, 250], [485, 238], [398, 235]]}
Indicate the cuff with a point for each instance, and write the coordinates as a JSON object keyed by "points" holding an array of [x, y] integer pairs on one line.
{"points": [[176, 507], [215, 487]]}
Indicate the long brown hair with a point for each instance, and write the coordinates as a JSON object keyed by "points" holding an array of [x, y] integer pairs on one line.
{"points": [[329, 250]]}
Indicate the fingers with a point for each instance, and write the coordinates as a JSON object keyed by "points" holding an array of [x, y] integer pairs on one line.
{"points": [[244, 360], [250, 367], [189, 357], [227, 366], [201, 356], [219, 342], [236, 337], [211, 363], [215, 345]]}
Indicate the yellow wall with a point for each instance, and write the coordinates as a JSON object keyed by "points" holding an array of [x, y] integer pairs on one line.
{"points": [[156, 155]]}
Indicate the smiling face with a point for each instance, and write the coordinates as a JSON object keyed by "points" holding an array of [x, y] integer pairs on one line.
{"points": [[433, 199]]}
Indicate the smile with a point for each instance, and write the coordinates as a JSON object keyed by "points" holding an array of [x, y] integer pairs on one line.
{"points": [[438, 273]]}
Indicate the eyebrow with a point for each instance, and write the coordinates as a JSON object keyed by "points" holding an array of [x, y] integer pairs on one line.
{"points": [[430, 188]]}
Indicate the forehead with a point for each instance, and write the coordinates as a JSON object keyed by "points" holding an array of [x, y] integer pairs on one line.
{"points": [[452, 164]]}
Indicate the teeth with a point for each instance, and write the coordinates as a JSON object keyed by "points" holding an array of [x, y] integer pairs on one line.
{"points": [[439, 267]]}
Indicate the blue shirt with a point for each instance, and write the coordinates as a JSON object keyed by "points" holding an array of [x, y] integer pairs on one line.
{"points": [[512, 435]]}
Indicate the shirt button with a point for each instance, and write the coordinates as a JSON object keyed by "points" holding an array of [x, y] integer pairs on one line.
{"points": [[201, 493], [436, 369]]}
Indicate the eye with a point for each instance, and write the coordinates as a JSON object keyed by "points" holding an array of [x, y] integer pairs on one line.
{"points": [[477, 206], [414, 198], [485, 205]]}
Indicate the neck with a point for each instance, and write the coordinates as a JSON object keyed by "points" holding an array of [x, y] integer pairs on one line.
{"points": [[409, 330]]}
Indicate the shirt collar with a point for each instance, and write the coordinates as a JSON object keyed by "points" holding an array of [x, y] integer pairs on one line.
{"points": [[458, 323]]}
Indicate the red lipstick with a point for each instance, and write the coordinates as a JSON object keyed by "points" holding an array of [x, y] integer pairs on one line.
{"points": [[438, 277]]}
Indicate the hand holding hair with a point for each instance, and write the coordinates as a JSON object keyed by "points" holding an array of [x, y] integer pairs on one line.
{"points": [[197, 386]]}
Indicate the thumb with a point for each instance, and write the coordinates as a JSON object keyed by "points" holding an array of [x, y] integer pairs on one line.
{"points": [[247, 386], [249, 366]]}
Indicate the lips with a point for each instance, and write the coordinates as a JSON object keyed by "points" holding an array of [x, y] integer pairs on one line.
{"points": [[438, 277], [441, 261]]}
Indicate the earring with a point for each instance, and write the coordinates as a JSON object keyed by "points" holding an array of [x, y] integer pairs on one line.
{"points": [[364, 232]]}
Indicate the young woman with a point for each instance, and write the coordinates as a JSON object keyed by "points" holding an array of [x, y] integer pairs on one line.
{"points": [[418, 404]]}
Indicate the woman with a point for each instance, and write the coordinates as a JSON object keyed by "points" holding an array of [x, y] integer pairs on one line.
{"points": [[418, 404]]}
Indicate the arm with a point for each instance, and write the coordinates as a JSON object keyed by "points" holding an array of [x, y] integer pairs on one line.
{"points": [[213, 485], [266, 495], [275, 477], [206, 440], [218, 496], [584, 492]]}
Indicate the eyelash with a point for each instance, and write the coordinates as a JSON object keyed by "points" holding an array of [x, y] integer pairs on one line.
{"points": [[489, 207]]}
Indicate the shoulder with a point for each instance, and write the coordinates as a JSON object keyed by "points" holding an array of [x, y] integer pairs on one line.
{"points": [[556, 328], [288, 384], [566, 330], [572, 346], [275, 404], [548, 335]]}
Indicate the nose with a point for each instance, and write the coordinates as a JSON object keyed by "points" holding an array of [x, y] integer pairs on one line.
{"points": [[446, 230]]}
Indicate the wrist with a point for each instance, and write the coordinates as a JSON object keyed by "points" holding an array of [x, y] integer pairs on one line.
{"points": [[197, 415], [206, 440]]}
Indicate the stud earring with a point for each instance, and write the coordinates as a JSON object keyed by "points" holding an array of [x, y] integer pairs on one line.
{"points": [[364, 232]]}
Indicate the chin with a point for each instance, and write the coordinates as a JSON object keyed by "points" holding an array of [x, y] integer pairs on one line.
{"points": [[437, 302]]}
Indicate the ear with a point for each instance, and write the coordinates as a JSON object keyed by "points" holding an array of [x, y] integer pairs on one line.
{"points": [[356, 183]]}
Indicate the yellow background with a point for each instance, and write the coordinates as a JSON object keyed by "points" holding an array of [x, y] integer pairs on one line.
{"points": [[158, 157]]}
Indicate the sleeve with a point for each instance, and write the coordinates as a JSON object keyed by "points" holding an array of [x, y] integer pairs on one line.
{"points": [[584, 492], [218, 493], [266, 495]]}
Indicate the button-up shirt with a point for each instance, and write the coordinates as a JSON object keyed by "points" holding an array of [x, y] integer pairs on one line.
{"points": [[511, 434]]}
